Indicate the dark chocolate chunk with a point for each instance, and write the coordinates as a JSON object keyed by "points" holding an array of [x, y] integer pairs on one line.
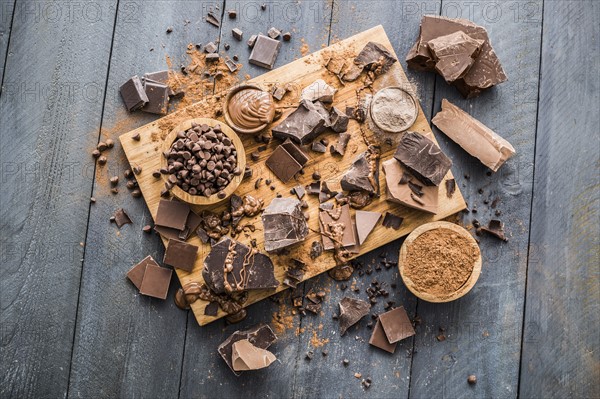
{"points": [[273, 33], [454, 54], [210, 48], [338, 120], [392, 221], [264, 52], [299, 191], [496, 228], [284, 224], [133, 94], [287, 36], [451, 188], [237, 34], [181, 255], [121, 218], [212, 19], [233, 267], [158, 97], [318, 147], [316, 249], [172, 214], [376, 58], [211, 309], [340, 147], [261, 336], [136, 273], [423, 158], [363, 175], [351, 311], [286, 161], [156, 281], [252, 41], [303, 125], [232, 66]]}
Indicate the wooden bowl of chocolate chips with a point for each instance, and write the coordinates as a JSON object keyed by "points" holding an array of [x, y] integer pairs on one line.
{"points": [[203, 161], [439, 262]]}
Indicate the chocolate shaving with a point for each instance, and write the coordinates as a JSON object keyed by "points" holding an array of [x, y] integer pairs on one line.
{"points": [[415, 188]]}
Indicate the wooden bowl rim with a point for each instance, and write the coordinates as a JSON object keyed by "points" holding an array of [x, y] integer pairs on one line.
{"points": [[414, 117], [465, 288], [241, 162], [230, 94]]}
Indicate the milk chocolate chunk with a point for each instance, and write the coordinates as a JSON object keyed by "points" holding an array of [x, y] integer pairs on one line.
{"points": [[284, 224], [340, 216], [423, 158], [485, 72], [121, 218], [136, 273], [265, 51], [375, 57], [156, 281], [246, 356], [473, 136], [172, 214], [158, 97], [319, 90], [133, 94], [392, 221], [351, 311], [363, 175], [365, 223], [181, 255], [409, 193], [261, 336], [396, 325], [379, 339], [233, 267], [454, 54], [301, 126]]}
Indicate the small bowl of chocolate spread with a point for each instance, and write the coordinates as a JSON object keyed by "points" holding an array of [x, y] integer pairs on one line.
{"points": [[248, 109]]}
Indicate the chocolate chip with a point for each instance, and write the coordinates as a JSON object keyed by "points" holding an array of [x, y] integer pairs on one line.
{"points": [[156, 174], [472, 379], [114, 180], [137, 170], [95, 153], [110, 143], [147, 228], [345, 362], [102, 160], [136, 193], [136, 137], [101, 146]]}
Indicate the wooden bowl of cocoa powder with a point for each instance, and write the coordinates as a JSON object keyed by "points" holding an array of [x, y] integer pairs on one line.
{"points": [[439, 262]]}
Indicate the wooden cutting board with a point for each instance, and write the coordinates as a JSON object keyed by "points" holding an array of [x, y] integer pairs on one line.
{"points": [[147, 153]]}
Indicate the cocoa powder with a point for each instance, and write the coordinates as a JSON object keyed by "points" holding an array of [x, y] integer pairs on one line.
{"points": [[440, 261]]}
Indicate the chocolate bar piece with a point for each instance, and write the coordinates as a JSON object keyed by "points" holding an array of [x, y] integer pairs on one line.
{"points": [[136, 273], [473, 136], [365, 223], [158, 97], [396, 325], [339, 215], [403, 188], [341, 145], [295, 151], [265, 51], [261, 336], [172, 214], [375, 57], [423, 158], [233, 267], [133, 94], [351, 311], [282, 164], [319, 90], [454, 54], [156, 281], [246, 356], [303, 125], [363, 175], [379, 339], [284, 224], [181, 255]]}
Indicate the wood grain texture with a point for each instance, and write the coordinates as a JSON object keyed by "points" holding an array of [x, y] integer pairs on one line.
{"points": [[483, 329], [45, 117], [300, 74], [6, 19], [129, 345], [560, 355], [326, 376]]}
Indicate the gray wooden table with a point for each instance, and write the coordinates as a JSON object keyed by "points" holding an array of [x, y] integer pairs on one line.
{"points": [[71, 325]]}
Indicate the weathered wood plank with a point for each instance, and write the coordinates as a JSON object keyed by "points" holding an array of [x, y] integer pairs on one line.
{"points": [[129, 345], [560, 349], [7, 8], [390, 373], [50, 115], [483, 329], [205, 374]]}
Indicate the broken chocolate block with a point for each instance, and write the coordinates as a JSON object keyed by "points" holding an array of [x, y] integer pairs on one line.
{"points": [[284, 224], [351, 311], [158, 97], [302, 125], [496, 228], [319, 90], [376, 58], [423, 158], [133, 94], [401, 188], [363, 175], [454, 54], [233, 267], [396, 325], [338, 120], [180, 255], [261, 336], [121, 218]]}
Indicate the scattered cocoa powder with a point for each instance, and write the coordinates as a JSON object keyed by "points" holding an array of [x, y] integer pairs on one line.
{"points": [[440, 261]]}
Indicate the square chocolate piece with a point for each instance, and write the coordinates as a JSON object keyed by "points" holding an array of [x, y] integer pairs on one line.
{"points": [[136, 273], [156, 281], [423, 158], [181, 255], [379, 339], [158, 97], [282, 164], [133, 94], [264, 52], [172, 214], [337, 215], [396, 325]]}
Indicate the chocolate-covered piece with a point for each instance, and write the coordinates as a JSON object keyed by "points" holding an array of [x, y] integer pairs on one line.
{"points": [[261, 336], [340, 216], [365, 223], [319, 90], [403, 188], [454, 54], [392, 221], [156, 281], [233, 267], [363, 175], [136, 273], [379, 339], [284, 224], [264, 52], [121, 218], [158, 97], [303, 125], [172, 214], [181, 255], [133, 94], [351, 311], [473, 136], [246, 356], [423, 158], [396, 325], [485, 72], [376, 58]]}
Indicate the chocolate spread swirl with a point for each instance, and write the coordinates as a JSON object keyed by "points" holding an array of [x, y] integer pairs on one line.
{"points": [[251, 108]]}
